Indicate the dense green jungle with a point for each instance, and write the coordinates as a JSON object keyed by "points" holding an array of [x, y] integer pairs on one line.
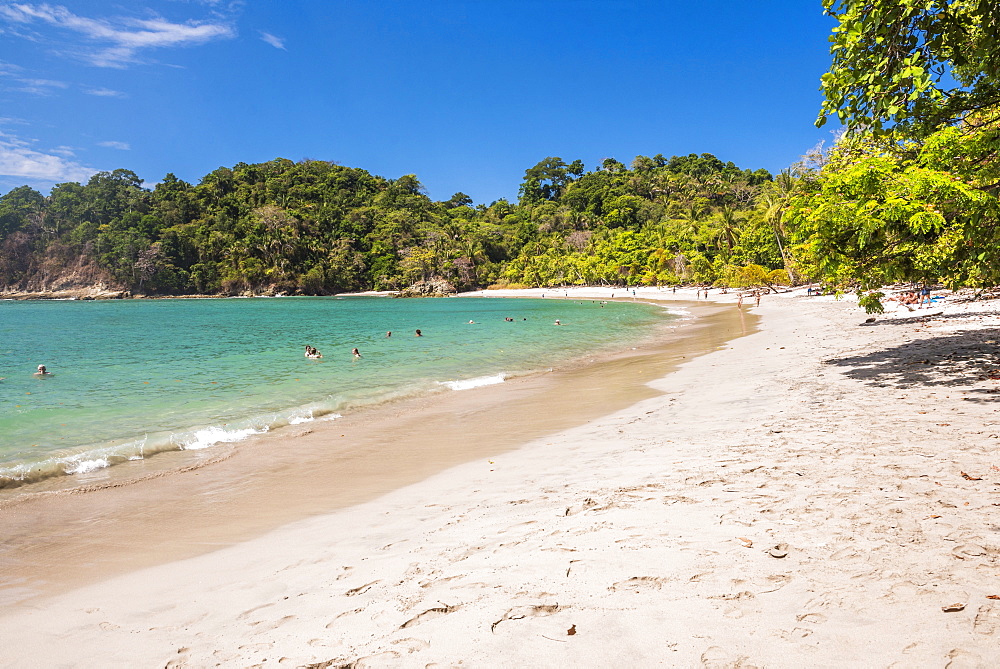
{"points": [[315, 227], [906, 192]]}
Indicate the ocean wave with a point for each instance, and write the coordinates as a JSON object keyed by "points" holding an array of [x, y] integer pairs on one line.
{"points": [[89, 459], [210, 436], [84, 466], [477, 382], [299, 419]]}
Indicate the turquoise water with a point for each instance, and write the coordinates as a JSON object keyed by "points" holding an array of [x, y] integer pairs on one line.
{"points": [[130, 378]]}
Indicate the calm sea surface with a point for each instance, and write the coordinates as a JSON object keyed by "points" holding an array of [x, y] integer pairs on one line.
{"points": [[131, 378]]}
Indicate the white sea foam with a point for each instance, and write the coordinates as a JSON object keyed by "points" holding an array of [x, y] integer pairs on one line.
{"points": [[478, 382], [306, 418], [84, 466], [215, 435], [677, 311], [332, 416]]}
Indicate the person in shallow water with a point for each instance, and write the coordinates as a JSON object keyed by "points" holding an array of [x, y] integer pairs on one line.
{"points": [[356, 352], [419, 334], [42, 371]]}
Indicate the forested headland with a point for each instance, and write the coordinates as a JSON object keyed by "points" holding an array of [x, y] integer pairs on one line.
{"points": [[315, 228]]}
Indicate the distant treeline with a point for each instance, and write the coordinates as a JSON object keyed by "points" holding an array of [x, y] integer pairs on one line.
{"points": [[315, 227]]}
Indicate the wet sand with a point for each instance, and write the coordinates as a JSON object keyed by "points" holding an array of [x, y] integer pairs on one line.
{"points": [[179, 505]]}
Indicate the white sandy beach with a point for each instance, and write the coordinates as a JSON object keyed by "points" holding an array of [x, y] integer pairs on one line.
{"points": [[821, 493]]}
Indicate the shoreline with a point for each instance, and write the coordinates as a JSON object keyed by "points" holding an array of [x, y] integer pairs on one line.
{"points": [[103, 461], [289, 466], [821, 492]]}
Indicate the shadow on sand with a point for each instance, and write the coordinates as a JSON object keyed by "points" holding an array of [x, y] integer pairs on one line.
{"points": [[963, 358]]}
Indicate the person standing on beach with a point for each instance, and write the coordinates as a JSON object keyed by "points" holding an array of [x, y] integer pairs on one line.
{"points": [[925, 296], [739, 301], [758, 298]]}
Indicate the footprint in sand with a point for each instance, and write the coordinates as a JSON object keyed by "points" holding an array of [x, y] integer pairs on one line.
{"points": [[361, 589], [429, 583], [521, 612], [824, 601], [638, 583], [225, 656], [248, 612], [377, 660], [578, 508], [987, 619], [960, 659], [716, 658], [341, 615], [411, 645], [814, 618], [429, 614], [268, 625], [769, 583]]}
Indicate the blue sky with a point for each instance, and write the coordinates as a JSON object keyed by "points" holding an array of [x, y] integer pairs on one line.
{"points": [[466, 95]]}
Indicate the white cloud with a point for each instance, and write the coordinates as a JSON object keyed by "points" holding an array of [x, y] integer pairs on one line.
{"points": [[273, 40], [104, 93], [38, 86], [121, 39], [121, 146], [17, 159], [65, 151]]}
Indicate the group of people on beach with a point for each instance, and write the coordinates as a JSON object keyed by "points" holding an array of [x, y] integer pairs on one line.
{"points": [[911, 297], [755, 294]]}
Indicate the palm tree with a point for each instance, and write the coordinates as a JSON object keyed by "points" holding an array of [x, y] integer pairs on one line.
{"points": [[773, 204], [728, 227]]}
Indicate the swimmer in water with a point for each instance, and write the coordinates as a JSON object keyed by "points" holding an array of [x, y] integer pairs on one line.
{"points": [[389, 333], [42, 371], [557, 322], [419, 334], [356, 352]]}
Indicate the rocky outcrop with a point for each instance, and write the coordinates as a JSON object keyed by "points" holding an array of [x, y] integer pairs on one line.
{"points": [[95, 292], [432, 288]]}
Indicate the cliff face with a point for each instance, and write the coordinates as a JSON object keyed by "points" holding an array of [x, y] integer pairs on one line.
{"points": [[52, 277], [432, 288]]}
